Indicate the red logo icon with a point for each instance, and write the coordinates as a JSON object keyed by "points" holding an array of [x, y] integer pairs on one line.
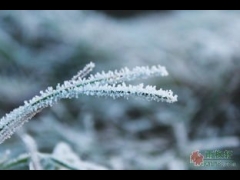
{"points": [[196, 158]]}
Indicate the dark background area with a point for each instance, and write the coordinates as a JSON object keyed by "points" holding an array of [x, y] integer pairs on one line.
{"points": [[124, 14]]}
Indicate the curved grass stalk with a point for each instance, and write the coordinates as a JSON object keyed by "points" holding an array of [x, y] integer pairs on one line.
{"points": [[109, 84]]}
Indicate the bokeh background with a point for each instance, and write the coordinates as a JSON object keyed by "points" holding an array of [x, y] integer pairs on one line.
{"points": [[200, 49]]}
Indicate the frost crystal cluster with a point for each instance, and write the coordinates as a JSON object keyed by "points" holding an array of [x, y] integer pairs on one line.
{"points": [[111, 84]]}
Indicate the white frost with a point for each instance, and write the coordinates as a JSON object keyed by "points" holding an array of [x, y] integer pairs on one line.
{"points": [[110, 84]]}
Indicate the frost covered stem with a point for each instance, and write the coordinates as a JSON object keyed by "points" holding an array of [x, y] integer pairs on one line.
{"points": [[111, 84]]}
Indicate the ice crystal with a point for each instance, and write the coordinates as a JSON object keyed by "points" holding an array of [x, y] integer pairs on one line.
{"points": [[110, 84]]}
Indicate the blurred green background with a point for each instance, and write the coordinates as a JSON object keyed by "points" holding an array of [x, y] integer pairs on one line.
{"points": [[200, 49]]}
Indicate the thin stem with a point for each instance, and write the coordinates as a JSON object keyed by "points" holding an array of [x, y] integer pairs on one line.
{"points": [[101, 84]]}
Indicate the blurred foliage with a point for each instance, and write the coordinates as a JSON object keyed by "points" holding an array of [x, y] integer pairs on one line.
{"points": [[199, 48]]}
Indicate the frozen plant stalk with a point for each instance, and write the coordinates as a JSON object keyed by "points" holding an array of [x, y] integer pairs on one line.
{"points": [[110, 84]]}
